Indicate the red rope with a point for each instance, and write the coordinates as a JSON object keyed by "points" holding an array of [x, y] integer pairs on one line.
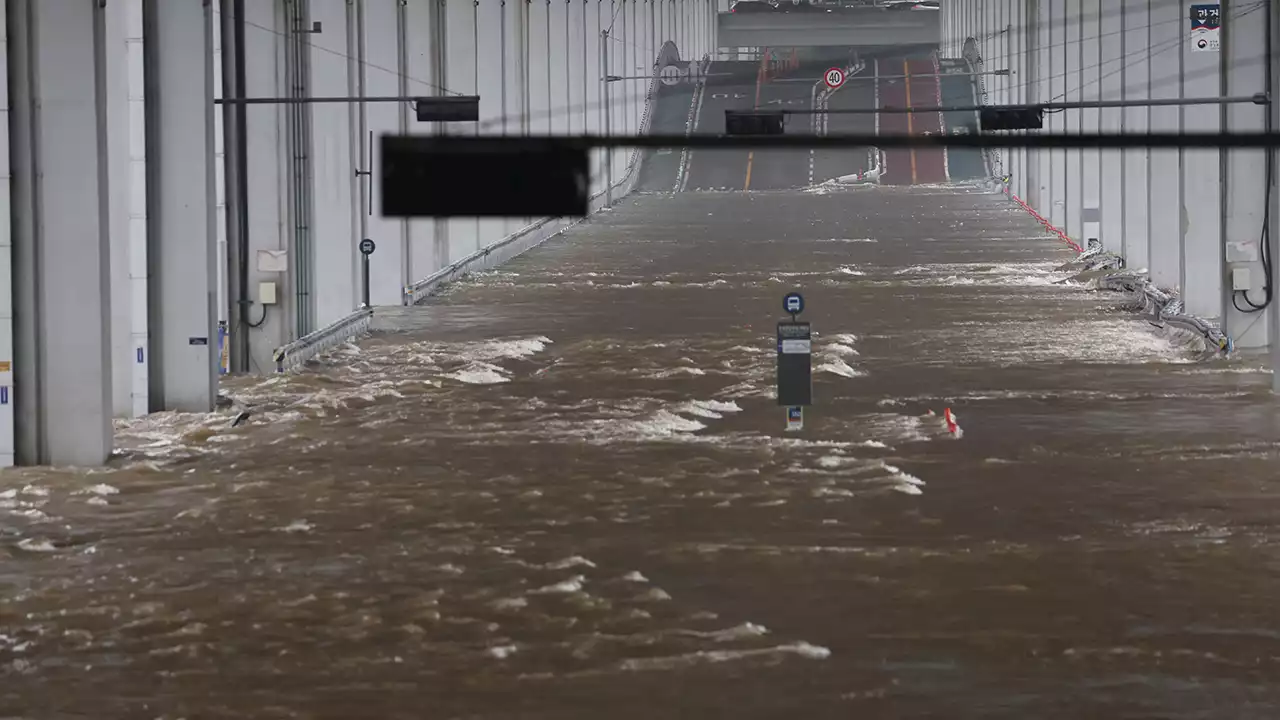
{"points": [[1047, 225]]}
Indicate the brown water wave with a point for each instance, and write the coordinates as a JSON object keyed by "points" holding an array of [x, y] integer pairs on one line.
{"points": [[564, 489]]}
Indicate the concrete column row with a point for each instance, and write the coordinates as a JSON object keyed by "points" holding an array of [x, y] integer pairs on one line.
{"points": [[537, 66], [114, 277], [1173, 212], [106, 292]]}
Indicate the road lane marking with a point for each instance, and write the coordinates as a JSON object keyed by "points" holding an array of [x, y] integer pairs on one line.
{"points": [[751, 155], [906, 72]]}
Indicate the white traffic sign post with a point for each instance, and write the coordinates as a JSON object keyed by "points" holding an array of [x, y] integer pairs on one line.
{"points": [[834, 78]]}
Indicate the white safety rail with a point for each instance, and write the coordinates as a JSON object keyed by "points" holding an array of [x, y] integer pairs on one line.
{"points": [[990, 156], [876, 158], [690, 124], [301, 351], [942, 117]]}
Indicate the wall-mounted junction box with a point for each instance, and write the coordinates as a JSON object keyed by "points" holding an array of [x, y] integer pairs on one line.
{"points": [[267, 293], [1242, 251], [1241, 279]]}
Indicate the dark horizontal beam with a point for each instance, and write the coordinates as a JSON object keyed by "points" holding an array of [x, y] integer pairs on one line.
{"points": [[1258, 99], [313, 100], [806, 141]]}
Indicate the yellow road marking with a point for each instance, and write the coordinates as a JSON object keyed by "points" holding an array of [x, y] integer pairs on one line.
{"points": [[751, 156], [906, 71]]}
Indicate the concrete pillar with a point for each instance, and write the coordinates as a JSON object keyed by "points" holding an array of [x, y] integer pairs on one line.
{"points": [[180, 248], [424, 77], [1041, 161], [461, 61], [1168, 24], [382, 79], [61, 251], [1021, 78], [1111, 64], [1056, 122], [6, 259], [1244, 192], [1136, 78], [116, 56], [490, 54], [1090, 119], [334, 235], [267, 184], [1200, 192], [1074, 84]]}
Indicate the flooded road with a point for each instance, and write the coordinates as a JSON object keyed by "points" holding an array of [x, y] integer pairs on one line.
{"points": [[562, 490]]}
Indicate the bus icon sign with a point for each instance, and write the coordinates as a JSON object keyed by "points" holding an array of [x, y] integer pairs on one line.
{"points": [[793, 303]]}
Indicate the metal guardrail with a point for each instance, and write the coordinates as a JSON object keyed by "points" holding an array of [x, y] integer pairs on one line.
{"points": [[299, 352]]}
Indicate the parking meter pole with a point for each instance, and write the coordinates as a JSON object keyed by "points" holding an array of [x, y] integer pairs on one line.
{"points": [[364, 273], [795, 363]]}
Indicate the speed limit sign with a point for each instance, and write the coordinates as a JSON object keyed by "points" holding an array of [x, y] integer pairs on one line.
{"points": [[835, 78]]}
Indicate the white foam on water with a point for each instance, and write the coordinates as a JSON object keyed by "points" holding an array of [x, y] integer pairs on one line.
{"points": [[99, 489], [635, 576], [711, 409], [569, 562], [849, 240], [572, 585], [848, 270], [37, 545], [480, 373], [841, 368], [738, 632], [502, 652], [297, 526], [801, 649], [672, 372]]}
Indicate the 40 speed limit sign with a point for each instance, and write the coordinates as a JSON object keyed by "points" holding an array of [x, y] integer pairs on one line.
{"points": [[834, 78]]}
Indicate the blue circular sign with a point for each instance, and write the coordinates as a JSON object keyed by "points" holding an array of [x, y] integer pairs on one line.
{"points": [[793, 303], [367, 246]]}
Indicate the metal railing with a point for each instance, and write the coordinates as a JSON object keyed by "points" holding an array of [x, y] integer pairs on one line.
{"points": [[294, 355]]}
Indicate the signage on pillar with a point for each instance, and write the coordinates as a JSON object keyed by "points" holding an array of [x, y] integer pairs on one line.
{"points": [[1206, 28], [795, 418], [367, 247]]}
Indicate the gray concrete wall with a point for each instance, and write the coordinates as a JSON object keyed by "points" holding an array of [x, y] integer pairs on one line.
{"points": [[537, 68], [115, 275], [1175, 213]]}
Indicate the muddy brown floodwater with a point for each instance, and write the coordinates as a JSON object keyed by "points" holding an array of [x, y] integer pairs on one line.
{"points": [[563, 490]]}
